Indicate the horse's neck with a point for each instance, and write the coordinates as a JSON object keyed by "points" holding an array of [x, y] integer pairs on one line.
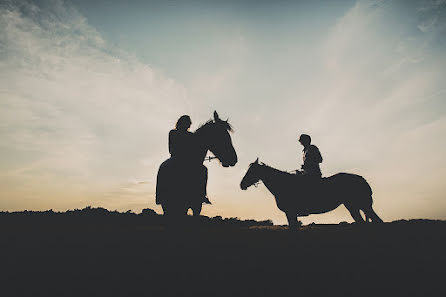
{"points": [[270, 178], [202, 142]]}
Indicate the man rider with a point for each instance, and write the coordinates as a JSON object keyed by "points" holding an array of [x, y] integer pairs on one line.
{"points": [[311, 157], [181, 148], [310, 169]]}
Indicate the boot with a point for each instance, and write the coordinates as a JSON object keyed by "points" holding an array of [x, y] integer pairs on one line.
{"points": [[206, 200]]}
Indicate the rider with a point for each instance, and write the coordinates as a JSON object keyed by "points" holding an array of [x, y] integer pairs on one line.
{"points": [[181, 148], [180, 139], [311, 157]]}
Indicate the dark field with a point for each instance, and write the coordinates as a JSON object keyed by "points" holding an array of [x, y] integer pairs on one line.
{"points": [[106, 254]]}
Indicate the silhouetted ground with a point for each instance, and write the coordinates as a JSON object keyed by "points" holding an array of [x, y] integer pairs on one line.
{"points": [[94, 252]]}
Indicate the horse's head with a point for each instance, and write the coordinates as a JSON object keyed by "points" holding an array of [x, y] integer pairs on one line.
{"points": [[252, 176], [219, 141]]}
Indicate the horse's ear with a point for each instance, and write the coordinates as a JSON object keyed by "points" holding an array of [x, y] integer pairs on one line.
{"points": [[256, 161], [216, 117]]}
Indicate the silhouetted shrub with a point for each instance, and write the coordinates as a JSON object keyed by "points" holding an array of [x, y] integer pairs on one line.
{"points": [[148, 211]]}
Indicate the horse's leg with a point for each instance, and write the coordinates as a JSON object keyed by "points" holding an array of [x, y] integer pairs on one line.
{"points": [[356, 215], [165, 209], [196, 208], [171, 215], [292, 221], [367, 218], [371, 214]]}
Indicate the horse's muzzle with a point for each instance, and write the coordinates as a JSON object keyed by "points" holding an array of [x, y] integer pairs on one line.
{"points": [[229, 163]]}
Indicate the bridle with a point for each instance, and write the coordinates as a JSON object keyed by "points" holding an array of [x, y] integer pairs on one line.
{"points": [[209, 158]]}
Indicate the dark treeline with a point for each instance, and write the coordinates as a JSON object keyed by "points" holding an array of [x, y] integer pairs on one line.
{"points": [[101, 216]]}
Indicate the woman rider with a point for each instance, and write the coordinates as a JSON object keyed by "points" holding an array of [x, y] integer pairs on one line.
{"points": [[180, 140], [181, 144]]}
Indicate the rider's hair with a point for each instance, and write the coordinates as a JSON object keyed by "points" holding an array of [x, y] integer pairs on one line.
{"points": [[183, 123], [305, 138]]}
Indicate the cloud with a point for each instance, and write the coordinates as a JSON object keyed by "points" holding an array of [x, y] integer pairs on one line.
{"points": [[386, 97], [74, 110], [85, 123], [377, 79]]}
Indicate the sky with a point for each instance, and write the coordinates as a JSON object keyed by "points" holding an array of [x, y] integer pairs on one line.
{"points": [[90, 89]]}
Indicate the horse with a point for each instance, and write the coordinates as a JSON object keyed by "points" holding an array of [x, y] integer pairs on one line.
{"points": [[299, 195], [177, 187]]}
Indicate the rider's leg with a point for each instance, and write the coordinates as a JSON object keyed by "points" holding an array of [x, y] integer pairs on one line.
{"points": [[196, 209], [165, 208]]}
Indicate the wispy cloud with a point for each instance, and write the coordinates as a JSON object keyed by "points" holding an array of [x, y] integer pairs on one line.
{"points": [[387, 97], [81, 117], [72, 106]]}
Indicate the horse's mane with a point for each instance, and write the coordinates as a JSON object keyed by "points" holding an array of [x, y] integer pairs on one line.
{"points": [[277, 171], [202, 126], [210, 122]]}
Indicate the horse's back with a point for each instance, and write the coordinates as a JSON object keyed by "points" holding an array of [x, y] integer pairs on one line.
{"points": [[350, 188], [352, 180]]}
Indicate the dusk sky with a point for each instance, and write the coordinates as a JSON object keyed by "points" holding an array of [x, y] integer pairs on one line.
{"points": [[90, 89]]}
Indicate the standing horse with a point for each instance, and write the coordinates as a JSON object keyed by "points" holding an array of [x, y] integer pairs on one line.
{"points": [[298, 195], [180, 186]]}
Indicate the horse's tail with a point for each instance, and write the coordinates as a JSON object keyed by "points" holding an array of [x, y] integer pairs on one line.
{"points": [[357, 184], [369, 213], [369, 188]]}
